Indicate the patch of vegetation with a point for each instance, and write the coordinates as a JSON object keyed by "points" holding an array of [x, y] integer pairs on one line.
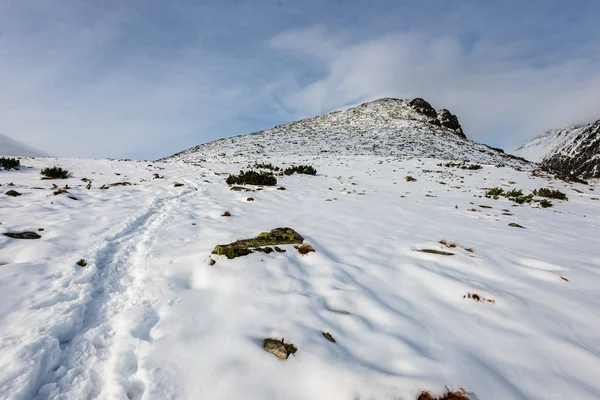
{"points": [[300, 169], [478, 298], [409, 178], [514, 225], [515, 195], [305, 248], [258, 178], [226, 214], [494, 193], [545, 203], [279, 249], [462, 165], [438, 252], [82, 262], [22, 235], [55, 173], [277, 236], [266, 250], [266, 166], [550, 193], [9, 163], [455, 395]]}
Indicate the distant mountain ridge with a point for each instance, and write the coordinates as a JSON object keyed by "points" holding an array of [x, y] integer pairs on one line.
{"points": [[384, 127], [571, 151], [12, 148]]}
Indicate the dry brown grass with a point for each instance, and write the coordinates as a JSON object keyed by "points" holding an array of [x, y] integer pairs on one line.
{"points": [[455, 395], [478, 298], [454, 245], [60, 191], [305, 248]]}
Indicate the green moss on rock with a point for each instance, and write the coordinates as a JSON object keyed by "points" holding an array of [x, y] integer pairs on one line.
{"points": [[277, 236]]}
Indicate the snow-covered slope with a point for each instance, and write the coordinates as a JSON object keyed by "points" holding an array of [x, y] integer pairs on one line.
{"points": [[383, 127], [571, 151], [12, 148], [152, 317]]}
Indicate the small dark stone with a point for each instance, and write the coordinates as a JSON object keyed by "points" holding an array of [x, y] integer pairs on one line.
{"points": [[13, 193], [512, 224], [328, 336]]}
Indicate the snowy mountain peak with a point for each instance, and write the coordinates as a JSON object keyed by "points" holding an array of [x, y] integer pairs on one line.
{"points": [[384, 127], [571, 151]]}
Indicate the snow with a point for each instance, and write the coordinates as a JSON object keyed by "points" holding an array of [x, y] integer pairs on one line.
{"points": [[150, 318]]}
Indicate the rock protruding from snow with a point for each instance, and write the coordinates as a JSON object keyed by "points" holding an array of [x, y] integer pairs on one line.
{"points": [[423, 107], [569, 152], [450, 121]]}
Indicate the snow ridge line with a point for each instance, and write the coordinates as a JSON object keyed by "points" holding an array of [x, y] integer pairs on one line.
{"points": [[76, 375]]}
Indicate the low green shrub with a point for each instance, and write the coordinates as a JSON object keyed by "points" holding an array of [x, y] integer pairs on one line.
{"points": [[9, 163], [258, 178], [300, 169], [494, 193], [266, 166], [550, 193], [463, 165], [55, 173]]}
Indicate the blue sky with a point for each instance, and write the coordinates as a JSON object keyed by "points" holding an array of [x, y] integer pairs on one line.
{"points": [[147, 78]]}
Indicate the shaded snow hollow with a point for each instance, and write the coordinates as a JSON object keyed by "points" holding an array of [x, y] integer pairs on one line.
{"points": [[149, 317]]}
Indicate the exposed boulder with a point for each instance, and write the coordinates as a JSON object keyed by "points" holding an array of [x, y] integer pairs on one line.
{"points": [[13, 193], [449, 120], [277, 236], [423, 107]]}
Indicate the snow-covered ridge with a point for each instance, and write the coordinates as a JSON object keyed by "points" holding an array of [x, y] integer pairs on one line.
{"points": [[571, 151], [384, 127]]}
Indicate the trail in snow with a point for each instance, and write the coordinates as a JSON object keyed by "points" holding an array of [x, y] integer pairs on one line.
{"points": [[95, 345]]}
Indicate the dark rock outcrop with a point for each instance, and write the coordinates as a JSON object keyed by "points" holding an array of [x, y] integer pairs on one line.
{"points": [[423, 107], [13, 193], [580, 157], [450, 121]]}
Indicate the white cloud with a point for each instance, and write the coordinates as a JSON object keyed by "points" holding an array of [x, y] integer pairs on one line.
{"points": [[499, 94]]}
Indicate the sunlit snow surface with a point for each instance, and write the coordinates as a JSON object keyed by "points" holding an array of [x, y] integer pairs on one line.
{"points": [[149, 318]]}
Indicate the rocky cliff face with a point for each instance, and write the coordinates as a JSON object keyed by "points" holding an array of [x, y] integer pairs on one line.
{"points": [[570, 152]]}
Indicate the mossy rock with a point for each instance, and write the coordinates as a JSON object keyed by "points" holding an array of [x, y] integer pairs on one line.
{"points": [[277, 236], [22, 235]]}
